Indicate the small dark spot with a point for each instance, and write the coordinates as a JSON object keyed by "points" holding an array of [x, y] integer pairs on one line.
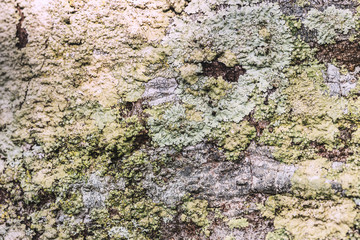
{"points": [[337, 187], [259, 125], [216, 69], [346, 134], [141, 139], [67, 20], [132, 108], [21, 33], [186, 171]]}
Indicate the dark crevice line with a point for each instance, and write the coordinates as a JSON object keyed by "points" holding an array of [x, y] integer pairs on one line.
{"points": [[28, 84], [26, 93]]}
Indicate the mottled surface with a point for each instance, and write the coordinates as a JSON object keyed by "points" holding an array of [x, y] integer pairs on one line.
{"points": [[179, 119]]}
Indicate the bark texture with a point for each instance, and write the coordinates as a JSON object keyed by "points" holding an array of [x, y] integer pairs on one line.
{"points": [[179, 119]]}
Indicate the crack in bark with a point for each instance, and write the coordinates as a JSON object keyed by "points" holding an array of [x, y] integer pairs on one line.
{"points": [[28, 84]]}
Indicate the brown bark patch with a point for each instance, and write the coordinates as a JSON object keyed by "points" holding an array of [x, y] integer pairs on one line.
{"points": [[336, 155], [21, 33], [344, 52], [217, 69], [259, 125]]}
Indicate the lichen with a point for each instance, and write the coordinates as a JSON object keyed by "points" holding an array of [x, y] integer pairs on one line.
{"points": [[73, 204], [309, 180], [279, 234], [317, 208], [308, 219], [77, 142], [196, 211], [268, 51], [238, 223], [174, 128], [309, 118], [235, 138], [329, 22], [272, 51]]}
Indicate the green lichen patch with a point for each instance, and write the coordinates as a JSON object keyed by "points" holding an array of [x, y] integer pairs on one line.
{"points": [[312, 119], [309, 180], [242, 27], [216, 102], [347, 176], [329, 22], [279, 234], [196, 211], [309, 219], [139, 215], [238, 223], [321, 205], [218, 78], [72, 204], [173, 128], [235, 138]]}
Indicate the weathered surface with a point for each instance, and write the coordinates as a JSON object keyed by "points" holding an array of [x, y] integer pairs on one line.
{"points": [[204, 174], [340, 84], [179, 119]]}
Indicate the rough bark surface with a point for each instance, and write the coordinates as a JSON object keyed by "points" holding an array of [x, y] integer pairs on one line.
{"points": [[179, 119]]}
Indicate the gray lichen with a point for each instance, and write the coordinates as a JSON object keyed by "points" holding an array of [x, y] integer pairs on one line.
{"points": [[254, 37], [111, 81], [340, 84], [160, 90], [329, 23]]}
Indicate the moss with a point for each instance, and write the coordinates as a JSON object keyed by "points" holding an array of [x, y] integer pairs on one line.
{"points": [[329, 22], [238, 223]]}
